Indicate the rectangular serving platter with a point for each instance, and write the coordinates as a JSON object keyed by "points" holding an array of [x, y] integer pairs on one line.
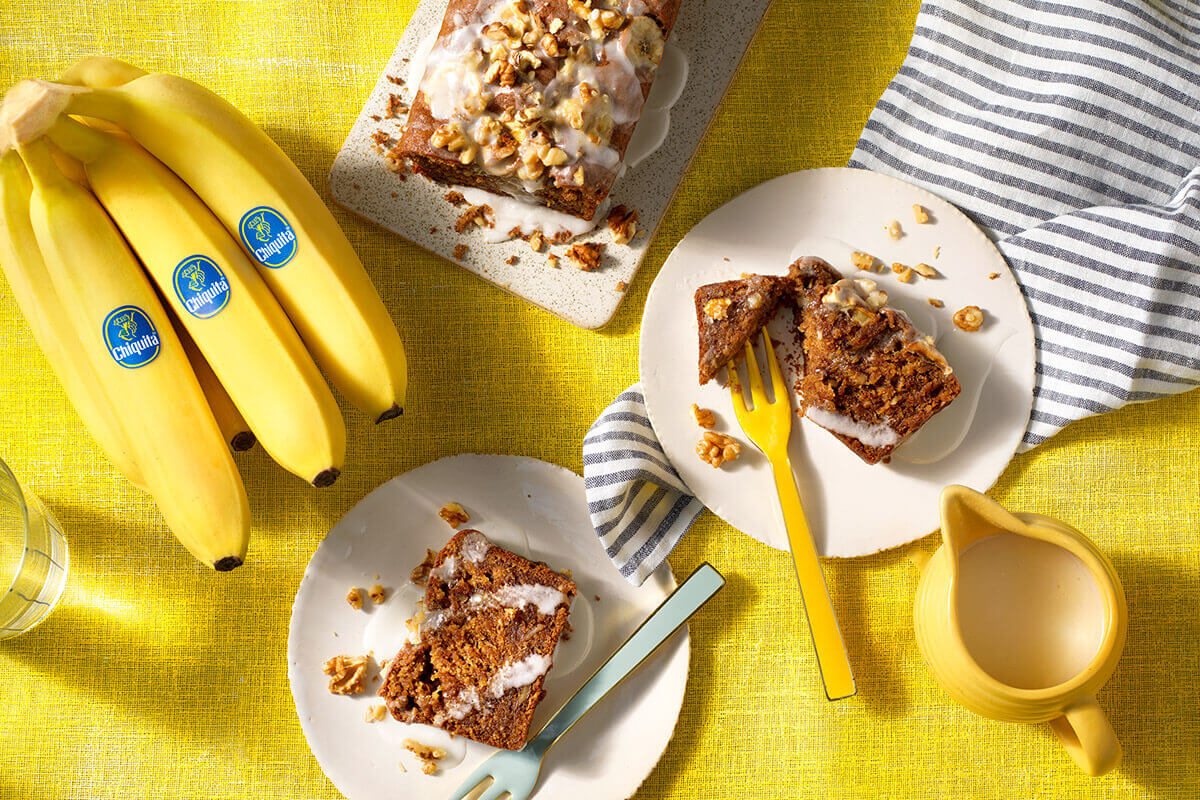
{"points": [[712, 37]]}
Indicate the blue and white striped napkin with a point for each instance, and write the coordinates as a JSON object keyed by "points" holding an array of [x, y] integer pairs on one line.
{"points": [[1070, 132]]}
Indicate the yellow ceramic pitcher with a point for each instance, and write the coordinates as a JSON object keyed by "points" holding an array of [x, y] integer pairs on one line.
{"points": [[1022, 619]]}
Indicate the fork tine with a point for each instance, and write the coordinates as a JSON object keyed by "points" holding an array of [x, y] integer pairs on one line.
{"points": [[756, 382], [472, 783], [735, 390], [777, 386], [494, 791]]}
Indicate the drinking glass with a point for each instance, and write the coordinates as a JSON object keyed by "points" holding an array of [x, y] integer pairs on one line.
{"points": [[33, 554]]}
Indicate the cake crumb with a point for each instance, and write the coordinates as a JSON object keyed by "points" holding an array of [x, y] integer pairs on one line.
{"points": [[455, 198], [705, 418], [460, 251], [474, 215], [993, 275], [454, 514], [377, 594], [920, 214], [356, 186], [586, 255], [596, 597], [925, 271], [623, 224], [376, 713], [395, 80], [933, 301], [717, 448], [511, 261], [893, 229], [428, 755], [433, 229], [862, 260], [622, 286], [396, 107], [553, 260], [969, 318], [347, 674], [354, 598]]}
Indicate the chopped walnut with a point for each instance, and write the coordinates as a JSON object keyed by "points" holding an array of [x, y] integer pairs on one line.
{"points": [[455, 198], [905, 275], [586, 255], [623, 224], [474, 215], [717, 448], [396, 106], [460, 251], [376, 713], [511, 260], [920, 214], [347, 674], [454, 514], [552, 260], [420, 573], [893, 229], [993, 275], [377, 594], [969, 318], [622, 286], [925, 271], [536, 240], [354, 598], [427, 754], [862, 260], [933, 301], [705, 418], [717, 308]]}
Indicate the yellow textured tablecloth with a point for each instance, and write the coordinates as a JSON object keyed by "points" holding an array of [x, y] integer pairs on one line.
{"points": [[158, 678]]}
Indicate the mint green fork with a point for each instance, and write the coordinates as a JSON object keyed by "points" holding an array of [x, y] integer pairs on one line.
{"points": [[516, 771]]}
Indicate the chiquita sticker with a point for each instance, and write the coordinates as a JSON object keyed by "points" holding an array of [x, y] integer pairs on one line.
{"points": [[131, 337], [201, 286], [268, 236]]}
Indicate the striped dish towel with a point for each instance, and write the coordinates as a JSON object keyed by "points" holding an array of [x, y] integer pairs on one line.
{"points": [[639, 506], [1070, 132]]}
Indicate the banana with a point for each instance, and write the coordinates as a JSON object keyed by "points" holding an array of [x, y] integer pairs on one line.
{"points": [[231, 422], [52, 329], [100, 71], [217, 294], [140, 365], [266, 203]]}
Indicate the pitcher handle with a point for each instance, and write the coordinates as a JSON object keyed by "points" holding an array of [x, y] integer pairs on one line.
{"points": [[1088, 737]]}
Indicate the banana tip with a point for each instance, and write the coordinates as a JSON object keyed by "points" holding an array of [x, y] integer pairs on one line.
{"points": [[243, 441], [227, 563], [391, 413], [326, 477]]}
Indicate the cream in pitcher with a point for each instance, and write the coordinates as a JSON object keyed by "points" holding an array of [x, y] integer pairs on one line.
{"points": [[1021, 618]]}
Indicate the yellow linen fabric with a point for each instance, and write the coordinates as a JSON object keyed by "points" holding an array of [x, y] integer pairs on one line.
{"points": [[158, 678]]}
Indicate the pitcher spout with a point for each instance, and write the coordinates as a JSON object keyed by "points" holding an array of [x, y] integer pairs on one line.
{"points": [[968, 516]]}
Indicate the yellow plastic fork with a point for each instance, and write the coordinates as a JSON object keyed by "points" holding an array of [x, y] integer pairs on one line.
{"points": [[768, 425]]}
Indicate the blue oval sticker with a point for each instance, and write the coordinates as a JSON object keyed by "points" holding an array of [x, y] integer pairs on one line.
{"points": [[131, 337], [268, 236], [201, 286]]}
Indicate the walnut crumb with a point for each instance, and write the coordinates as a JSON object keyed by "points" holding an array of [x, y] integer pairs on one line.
{"points": [[893, 229], [586, 255], [455, 198], [454, 514], [933, 301], [536, 240], [376, 713], [920, 214], [511, 260], [622, 286], [347, 674], [354, 598], [717, 448], [862, 260], [969, 318], [925, 271], [474, 215], [420, 573], [903, 274], [553, 260], [623, 224], [427, 754], [717, 308], [705, 418], [937, 252], [993, 275], [377, 594], [460, 251]]}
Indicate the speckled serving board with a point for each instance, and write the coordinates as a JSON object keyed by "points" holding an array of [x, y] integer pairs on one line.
{"points": [[713, 36]]}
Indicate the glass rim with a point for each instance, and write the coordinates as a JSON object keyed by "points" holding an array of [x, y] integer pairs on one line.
{"points": [[25, 520]]}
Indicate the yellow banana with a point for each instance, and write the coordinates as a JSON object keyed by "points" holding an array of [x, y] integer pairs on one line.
{"points": [[100, 71], [140, 365], [52, 329], [268, 205], [231, 422], [219, 297]]}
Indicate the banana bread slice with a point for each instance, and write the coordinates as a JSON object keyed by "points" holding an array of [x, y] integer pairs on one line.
{"points": [[487, 634], [729, 313]]}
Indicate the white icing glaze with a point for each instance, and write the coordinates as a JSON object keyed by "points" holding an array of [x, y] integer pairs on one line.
{"points": [[526, 215], [877, 435], [463, 703], [445, 570], [518, 673], [545, 598], [474, 547]]}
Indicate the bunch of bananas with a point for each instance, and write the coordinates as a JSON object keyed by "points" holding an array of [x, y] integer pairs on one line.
{"points": [[185, 281]]}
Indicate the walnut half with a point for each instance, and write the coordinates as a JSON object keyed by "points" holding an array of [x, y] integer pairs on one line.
{"points": [[717, 448], [969, 319], [347, 674]]}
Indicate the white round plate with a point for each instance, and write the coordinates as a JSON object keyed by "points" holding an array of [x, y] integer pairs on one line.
{"points": [[534, 509], [853, 509]]}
